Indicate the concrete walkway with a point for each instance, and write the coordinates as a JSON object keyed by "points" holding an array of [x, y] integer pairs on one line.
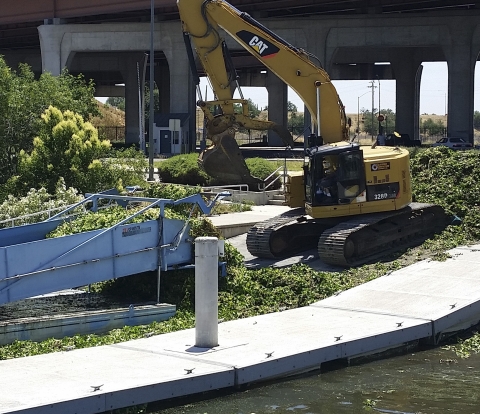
{"points": [[423, 301], [234, 224]]}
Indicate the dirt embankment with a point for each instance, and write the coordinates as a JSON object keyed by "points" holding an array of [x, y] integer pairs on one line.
{"points": [[110, 117]]}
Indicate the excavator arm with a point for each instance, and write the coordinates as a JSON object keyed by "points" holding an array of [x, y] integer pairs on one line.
{"points": [[202, 20]]}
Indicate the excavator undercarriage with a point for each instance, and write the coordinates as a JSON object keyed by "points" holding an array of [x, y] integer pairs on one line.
{"points": [[359, 240]]}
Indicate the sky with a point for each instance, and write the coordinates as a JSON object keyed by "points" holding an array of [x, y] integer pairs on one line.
{"points": [[433, 92]]}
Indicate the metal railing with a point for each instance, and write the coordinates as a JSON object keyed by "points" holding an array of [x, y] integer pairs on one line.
{"points": [[283, 167], [32, 217], [112, 133], [240, 187]]}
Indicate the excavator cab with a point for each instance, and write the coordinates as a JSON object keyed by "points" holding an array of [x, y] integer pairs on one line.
{"points": [[334, 174]]}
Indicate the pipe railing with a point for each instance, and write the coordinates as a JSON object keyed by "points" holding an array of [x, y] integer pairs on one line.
{"points": [[25, 217]]}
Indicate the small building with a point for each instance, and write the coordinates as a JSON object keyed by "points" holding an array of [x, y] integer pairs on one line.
{"points": [[171, 133]]}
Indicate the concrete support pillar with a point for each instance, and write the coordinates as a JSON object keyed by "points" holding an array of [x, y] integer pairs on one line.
{"points": [[181, 85], [132, 107], [162, 79], [182, 88], [55, 50], [277, 107], [406, 70], [461, 76]]}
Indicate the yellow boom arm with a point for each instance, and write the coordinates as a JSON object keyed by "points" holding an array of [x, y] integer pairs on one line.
{"points": [[202, 19]]}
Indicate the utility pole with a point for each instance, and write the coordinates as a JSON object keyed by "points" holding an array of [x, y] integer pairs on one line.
{"points": [[151, 86], [379, 111], [372, 85]]}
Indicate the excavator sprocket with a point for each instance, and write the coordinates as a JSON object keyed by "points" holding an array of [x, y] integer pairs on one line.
{"points": [[346, 243]]}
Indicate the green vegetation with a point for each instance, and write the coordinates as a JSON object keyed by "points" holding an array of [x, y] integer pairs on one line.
{"points": [[253, 110], [439, 176], [68, 148], [450, 179], [37, 201], [388, 123], [432, 128], [184, 169], [117, 102], [466, 347], [261, 168], [291, 165], [23, 99], [476, 120], [242, 294], [296, 120]]}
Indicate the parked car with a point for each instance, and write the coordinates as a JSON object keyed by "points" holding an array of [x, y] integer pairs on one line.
{"points": [[453, 143]]}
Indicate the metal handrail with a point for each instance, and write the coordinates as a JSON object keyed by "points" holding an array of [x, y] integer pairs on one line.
{"points": [[241, 187], [276, 178], [38, 213]]}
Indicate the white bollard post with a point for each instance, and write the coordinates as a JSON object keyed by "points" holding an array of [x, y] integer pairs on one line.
{"points": [[206, 292]]}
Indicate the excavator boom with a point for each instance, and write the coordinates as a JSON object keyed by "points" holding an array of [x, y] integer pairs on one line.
{"points": [[202, 20]]}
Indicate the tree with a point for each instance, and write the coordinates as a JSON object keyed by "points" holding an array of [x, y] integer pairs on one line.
{"points": [[432, 128], [253, 110], [368, 127], [23, 99], [291, 107], [116, 101], [296, 123], [68, 148], [156, 100], [476, 120], [388, 123]]}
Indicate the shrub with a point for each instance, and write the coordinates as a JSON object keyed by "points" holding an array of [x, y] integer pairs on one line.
{"points": [[69, 148], [37, 201], [262, 168], [170, 191], [183, 169], [450, 179]]}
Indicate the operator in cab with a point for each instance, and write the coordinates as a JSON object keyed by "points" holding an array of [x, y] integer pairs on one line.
{"points": [[326, 189]]}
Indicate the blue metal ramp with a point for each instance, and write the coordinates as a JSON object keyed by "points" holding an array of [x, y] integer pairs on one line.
{"points": [[32, 265]]}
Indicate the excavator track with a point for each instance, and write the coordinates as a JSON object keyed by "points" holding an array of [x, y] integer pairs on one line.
{"points": [[287, 233], [359, 240], [260, 235], [366, 238]]}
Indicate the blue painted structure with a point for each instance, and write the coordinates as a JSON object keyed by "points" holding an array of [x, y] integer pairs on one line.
{"points": [[32, 265]]}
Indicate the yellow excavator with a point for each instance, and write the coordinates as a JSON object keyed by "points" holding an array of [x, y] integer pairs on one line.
{"points": [[353, 202]]}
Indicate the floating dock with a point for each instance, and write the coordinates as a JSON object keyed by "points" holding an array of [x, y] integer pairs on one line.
{"points": [[424, 301]]}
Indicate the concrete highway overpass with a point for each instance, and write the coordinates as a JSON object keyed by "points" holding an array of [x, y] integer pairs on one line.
{"points": [[107, 41]]}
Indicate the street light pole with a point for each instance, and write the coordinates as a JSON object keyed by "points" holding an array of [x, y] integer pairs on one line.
{"points": [[373, 103], [358, 111], [379, 110], [151, 86]]}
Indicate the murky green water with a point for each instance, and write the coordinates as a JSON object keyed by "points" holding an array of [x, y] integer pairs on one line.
{"points": [[421, 382]]}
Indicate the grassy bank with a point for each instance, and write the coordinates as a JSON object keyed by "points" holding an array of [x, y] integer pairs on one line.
{"points": [[440, 176]]}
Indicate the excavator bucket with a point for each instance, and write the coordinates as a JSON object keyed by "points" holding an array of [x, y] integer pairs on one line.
{"points": [[224, 161]]}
